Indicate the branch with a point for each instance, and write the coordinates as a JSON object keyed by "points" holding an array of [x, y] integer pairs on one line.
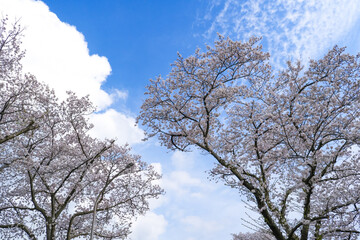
{"points": [[30, 126], [21, 227]]}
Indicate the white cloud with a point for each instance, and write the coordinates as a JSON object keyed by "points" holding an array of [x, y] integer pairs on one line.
{"points": [[151, 225], [290, 29], [181, 181], [157, 167], [112, 124], [194, 223], [57, 54], [182, 160], [117, 94], [180, 184], [148, 227]]}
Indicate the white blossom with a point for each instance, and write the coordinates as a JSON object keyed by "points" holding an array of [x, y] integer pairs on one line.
{"points": [[283, 139]]}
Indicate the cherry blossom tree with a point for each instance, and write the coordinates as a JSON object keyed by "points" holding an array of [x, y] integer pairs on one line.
{"points": [[57, 182], [288, 141], [252, 236], [18, 92]]}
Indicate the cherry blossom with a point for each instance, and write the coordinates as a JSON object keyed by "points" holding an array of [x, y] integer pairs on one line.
{"points": [[288, 140], [56, 181]]}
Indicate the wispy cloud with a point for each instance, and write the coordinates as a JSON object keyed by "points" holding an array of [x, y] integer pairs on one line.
{"points": [[295, 29], [183, 160], [194, 223]]}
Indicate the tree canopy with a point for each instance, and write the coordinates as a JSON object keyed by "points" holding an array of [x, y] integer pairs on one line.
{"points": [[56, 181], [288, 140]]}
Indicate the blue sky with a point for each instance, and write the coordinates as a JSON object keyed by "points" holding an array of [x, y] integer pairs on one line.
{"points": [[139, 38], [110, 49]]}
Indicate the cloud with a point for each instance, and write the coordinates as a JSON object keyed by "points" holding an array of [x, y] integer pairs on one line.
{"points": [[202, 209], [112, 124], [182, 160], [57, 54], [148, 227], [194, 223], [184, 179], [181, 184], [151, 225], [117, 94], [290, 29]]}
